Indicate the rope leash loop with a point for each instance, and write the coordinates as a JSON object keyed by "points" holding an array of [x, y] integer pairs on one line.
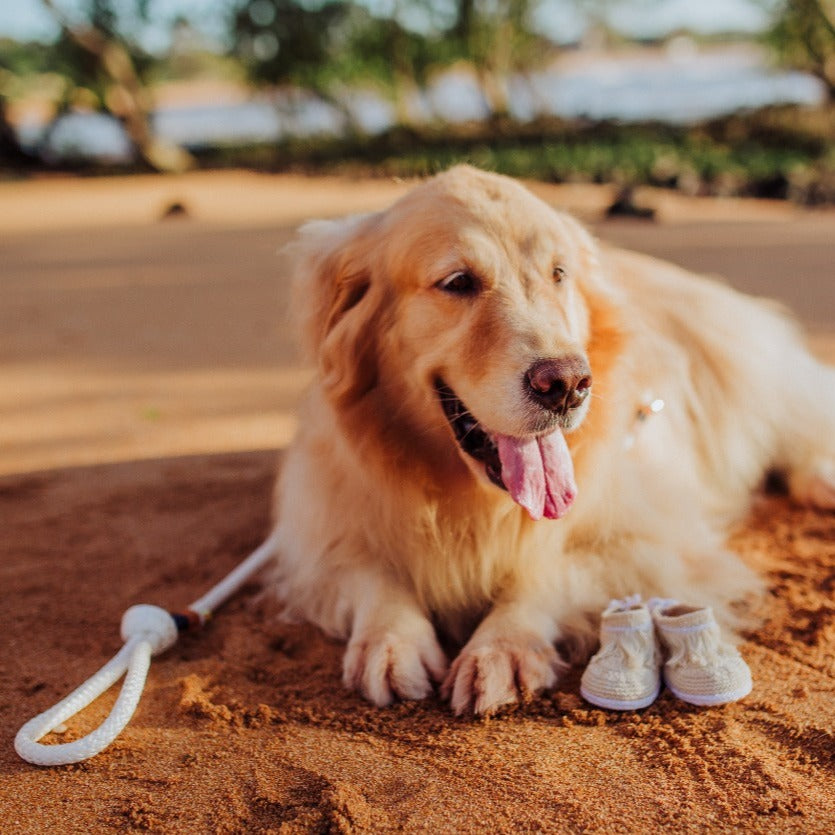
{"points": [[147, 631]]}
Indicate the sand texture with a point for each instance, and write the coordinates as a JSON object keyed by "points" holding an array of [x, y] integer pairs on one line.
{"points": [[148, 387]]}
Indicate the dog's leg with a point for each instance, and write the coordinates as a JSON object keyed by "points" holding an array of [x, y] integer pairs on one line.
{"points": [[509, 657], [393, 651], [809, 445], [815, 486]]}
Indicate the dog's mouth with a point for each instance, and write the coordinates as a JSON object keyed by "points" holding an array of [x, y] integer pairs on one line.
{"points": [[470, 434], [537, 471]]}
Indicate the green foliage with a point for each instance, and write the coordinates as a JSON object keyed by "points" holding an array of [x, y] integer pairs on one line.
{"points": [[623, 157], [25, 58], [282, 41], [330, 46], [487, 32], [63, 57], [803, 36], [798, 166], [66, 58], [323, 46]]}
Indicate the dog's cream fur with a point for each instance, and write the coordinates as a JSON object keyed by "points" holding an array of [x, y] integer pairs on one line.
{"points": [[392, 538]]}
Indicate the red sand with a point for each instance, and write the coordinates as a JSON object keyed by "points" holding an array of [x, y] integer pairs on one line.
{"points": [[128, 352]]}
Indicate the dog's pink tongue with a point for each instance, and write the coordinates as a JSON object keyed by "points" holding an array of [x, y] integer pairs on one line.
{"points": [[539, 473]]}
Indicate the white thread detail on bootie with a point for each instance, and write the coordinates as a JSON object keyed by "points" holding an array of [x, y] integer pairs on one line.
{"points": [[701, 668]]}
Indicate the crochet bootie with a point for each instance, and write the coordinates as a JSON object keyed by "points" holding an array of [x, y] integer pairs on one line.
{"points": [[623, 674], [701, 668]]}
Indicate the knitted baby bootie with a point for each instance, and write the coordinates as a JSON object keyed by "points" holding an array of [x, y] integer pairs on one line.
{"points": [[623, 674], [701, 668]]}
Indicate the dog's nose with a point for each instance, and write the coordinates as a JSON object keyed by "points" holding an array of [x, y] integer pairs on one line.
{"points": [[559, 384]]}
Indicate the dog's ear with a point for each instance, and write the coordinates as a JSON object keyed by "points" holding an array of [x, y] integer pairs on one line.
{"points": [[339, 305]]}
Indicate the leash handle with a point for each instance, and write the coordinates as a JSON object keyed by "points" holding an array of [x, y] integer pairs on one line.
{"points": [[146, 631]]}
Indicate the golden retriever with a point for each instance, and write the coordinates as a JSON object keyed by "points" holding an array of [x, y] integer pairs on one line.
{"points": [[483, 460]]}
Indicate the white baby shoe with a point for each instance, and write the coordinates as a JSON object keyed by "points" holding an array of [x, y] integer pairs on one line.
{"points": [[623, 674], [701, 668]]}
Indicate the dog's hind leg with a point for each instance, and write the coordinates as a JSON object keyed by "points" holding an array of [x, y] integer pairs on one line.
{"points": [[807, 454]]}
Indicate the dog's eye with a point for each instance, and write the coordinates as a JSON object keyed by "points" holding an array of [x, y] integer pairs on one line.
{"points": [[461, 283], [558, 273]]}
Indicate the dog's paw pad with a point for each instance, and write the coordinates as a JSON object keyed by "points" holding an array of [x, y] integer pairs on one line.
{"points": [[388, 666], [487, 677]]}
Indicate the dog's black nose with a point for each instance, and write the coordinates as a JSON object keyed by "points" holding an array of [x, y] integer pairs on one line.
{"points": [[559, 384]]}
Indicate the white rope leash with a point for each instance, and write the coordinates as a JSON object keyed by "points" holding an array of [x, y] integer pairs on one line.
{"points": [[146, 631]]}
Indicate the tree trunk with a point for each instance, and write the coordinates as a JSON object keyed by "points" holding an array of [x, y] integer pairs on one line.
{"points": [[11, 151], [126, 97]]}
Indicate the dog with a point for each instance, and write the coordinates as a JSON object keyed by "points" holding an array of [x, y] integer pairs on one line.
{"points": [[511, 423]]}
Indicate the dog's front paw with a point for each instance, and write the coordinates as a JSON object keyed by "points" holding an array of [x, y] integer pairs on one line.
{"points": [[490, 674], [388, 664]]}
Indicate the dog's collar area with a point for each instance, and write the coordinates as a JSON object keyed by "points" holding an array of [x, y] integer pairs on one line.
{"points": [[648, 407], [469, 434]]}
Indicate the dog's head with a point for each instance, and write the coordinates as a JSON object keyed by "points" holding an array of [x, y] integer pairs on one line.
{"points": [[459, 319]]}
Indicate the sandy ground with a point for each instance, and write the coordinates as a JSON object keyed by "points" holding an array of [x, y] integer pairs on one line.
{"points": [[148, 378]]}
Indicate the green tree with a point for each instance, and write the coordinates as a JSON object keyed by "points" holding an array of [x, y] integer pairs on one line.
{"points": [[284, 42], [327, 45], [97, 55], [803, 35], [497, 38]]}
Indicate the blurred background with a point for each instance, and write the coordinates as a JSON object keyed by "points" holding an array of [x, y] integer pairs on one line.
{"points": [[155, 155], [714, 97]]}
